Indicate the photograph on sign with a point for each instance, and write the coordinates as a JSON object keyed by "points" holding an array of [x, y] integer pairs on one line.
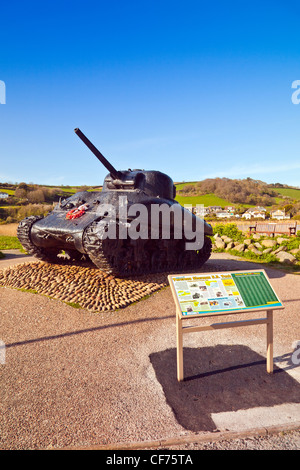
{"points": [[223, 292]]}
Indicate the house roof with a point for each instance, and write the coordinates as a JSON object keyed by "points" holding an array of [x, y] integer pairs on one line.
{"points": [[278, 211]]}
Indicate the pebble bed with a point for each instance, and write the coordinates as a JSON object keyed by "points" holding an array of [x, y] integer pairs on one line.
{"points": [[84, 287]]}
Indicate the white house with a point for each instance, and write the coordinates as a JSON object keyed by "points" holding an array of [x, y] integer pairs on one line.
{"points": [[280, 215], [256, 213], [224, 214], [215, 208], [3, 195], [200, 210]]}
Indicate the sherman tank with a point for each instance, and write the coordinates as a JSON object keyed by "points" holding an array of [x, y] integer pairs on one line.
{"points": [[133, 226]]}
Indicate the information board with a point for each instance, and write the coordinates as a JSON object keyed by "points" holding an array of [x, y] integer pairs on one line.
{"points": [[223, 292]]}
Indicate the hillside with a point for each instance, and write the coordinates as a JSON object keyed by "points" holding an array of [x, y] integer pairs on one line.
{"points": [[246, 193]]}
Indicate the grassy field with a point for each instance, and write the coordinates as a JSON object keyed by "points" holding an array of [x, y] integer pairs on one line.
{"points": [[289, 192], [292, 193], [8, 237], [11, 192], [68, 190], [206, 200], [9, 243]]}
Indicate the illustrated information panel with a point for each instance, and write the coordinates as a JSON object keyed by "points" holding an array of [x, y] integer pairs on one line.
{"points": [[222, 292]]}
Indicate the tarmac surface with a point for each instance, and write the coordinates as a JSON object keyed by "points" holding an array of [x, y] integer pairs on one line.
{"points": [[71, 378]]}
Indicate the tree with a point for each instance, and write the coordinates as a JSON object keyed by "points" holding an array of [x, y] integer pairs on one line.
{"points": [[23, 186], [20, 193], [36, 196]]}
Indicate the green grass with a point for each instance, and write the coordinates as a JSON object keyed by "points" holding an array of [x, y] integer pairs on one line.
{"points": [[206, 200], [31, 291], [292, 193], [11, 192], [73, 304], [10, 243], [279, 200], [68, 190]]}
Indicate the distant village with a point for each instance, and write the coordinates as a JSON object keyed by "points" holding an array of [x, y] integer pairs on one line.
{"points": [[229, 212]]}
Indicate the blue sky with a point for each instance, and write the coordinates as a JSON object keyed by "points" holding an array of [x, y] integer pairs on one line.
{"points": [[194, 89]]}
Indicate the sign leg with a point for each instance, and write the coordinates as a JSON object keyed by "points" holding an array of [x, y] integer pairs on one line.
{"points": [[179, 348], [270, 341]]}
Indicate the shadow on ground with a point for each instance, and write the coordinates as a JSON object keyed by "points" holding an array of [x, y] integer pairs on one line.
{"points": [[225, 262], [14, 254], [219, 379]]}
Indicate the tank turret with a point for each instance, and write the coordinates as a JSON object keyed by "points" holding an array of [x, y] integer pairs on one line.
{"points": [[153, 183]]}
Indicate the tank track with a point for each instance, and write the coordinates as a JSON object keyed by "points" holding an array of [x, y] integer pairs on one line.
{"points": [[137, 257], [49, 255], [23, 233]]}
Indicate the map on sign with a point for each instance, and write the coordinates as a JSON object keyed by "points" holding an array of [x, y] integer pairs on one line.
{"points": [[223, 292]]}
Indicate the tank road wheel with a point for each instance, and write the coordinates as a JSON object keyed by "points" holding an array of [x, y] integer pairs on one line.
{"points": [[142, 256], [133, 257], [189, 259], [155, 260], [185, 260], [124, 261], [179, 260], [205, 252], [93, 245], [159, 261], [23, 232], [118, 257], [109, 255]]}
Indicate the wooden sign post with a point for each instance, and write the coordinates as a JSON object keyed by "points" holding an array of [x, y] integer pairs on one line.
{"points": [[222, 293]]}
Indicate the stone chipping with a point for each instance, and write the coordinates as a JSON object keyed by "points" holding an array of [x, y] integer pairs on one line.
{"points": [[81, 286]]}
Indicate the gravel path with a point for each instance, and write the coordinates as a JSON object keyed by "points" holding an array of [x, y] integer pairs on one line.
{"points": [[76, 377]]}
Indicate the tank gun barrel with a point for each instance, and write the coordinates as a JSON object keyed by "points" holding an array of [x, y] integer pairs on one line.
{"points": [[114, 173]]}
